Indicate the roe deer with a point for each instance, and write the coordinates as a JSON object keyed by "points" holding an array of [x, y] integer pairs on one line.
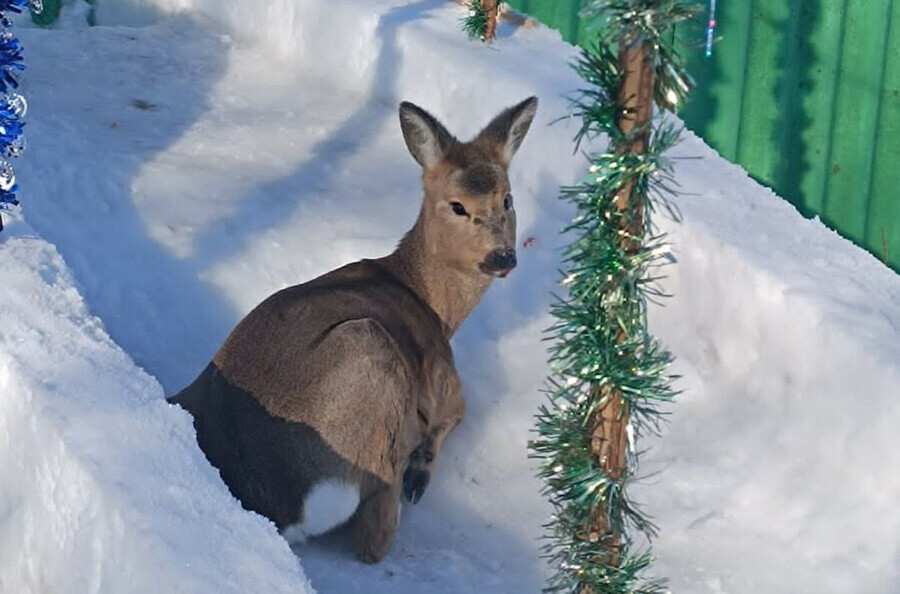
{"points": [[332, 398]]}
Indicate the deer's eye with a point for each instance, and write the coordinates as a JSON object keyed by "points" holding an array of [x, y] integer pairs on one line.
{"points": [[458, 208], [507, 202]]}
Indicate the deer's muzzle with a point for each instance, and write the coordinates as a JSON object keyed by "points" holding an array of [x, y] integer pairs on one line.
{"points": [[499, 262]]}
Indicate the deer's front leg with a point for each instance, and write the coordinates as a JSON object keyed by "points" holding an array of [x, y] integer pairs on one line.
{"points": [[418, 471], [376, 522], [423, 461]]}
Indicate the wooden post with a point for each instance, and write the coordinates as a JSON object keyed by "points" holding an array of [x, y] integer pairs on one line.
{"points": [[609, 437], [491, 8]]}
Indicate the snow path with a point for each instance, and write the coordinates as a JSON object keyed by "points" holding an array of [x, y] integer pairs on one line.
{"points": [[185, 173], [200, 194]]}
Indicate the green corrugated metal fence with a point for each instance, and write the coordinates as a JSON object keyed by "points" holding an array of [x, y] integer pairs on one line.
{"points": [[805, 95]]}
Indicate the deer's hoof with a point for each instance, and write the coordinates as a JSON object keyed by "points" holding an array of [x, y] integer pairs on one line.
{"points": [[415, 482]]}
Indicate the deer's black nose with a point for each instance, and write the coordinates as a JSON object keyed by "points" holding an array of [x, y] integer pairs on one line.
{"points": [[499, 261]]}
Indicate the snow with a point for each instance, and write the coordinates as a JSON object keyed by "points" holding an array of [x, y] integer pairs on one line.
{"points": [[189, 157], [779, 469], [102, 487]]}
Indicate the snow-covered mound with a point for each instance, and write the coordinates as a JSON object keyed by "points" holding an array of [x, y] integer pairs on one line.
{"points": [[102, 488], [190, 157], [779, 472]]}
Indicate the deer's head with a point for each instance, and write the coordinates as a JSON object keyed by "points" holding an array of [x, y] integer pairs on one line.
{"points": [[468, 213]]}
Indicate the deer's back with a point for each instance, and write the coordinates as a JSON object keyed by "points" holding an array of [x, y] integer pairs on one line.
{"points": [[281, 349]]}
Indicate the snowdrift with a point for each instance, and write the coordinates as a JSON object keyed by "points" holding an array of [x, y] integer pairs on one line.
{"points": [[102, 488], [189, 157]]}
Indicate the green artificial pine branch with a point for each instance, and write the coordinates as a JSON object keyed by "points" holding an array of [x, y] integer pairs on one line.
{"points": [[600, 342], [475, 24]]}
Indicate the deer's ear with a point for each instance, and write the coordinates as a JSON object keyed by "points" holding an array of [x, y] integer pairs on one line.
{"points": [[426, 138], [506, 132]]}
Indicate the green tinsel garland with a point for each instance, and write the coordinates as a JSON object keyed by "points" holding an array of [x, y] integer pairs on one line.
{"points": [[475, 24], [600, 337]]}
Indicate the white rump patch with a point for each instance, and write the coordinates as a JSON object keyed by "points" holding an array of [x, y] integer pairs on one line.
{"points": [[327, 505]]}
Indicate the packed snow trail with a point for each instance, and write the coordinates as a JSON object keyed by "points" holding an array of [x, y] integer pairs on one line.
{"points": [[189, 165], [201, 193]]}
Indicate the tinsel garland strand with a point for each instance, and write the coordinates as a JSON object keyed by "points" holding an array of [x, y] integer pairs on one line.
{"points": [[12, 105], [601, 345], [474, 25]]}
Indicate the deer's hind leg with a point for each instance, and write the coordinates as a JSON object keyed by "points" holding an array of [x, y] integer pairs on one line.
{"points": [[376, 522], [378, 514], [369, 407]]}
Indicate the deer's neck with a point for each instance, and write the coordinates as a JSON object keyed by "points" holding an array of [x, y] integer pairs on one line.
{"points": [[450, 292]]}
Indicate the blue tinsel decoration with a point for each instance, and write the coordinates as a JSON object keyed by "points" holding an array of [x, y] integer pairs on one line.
{"points": [[10, 61], [12, 105], [13, 5], [9, 197]]}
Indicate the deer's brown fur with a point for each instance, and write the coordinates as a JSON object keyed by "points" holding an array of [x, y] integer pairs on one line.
{"points": [[349, 379]]}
